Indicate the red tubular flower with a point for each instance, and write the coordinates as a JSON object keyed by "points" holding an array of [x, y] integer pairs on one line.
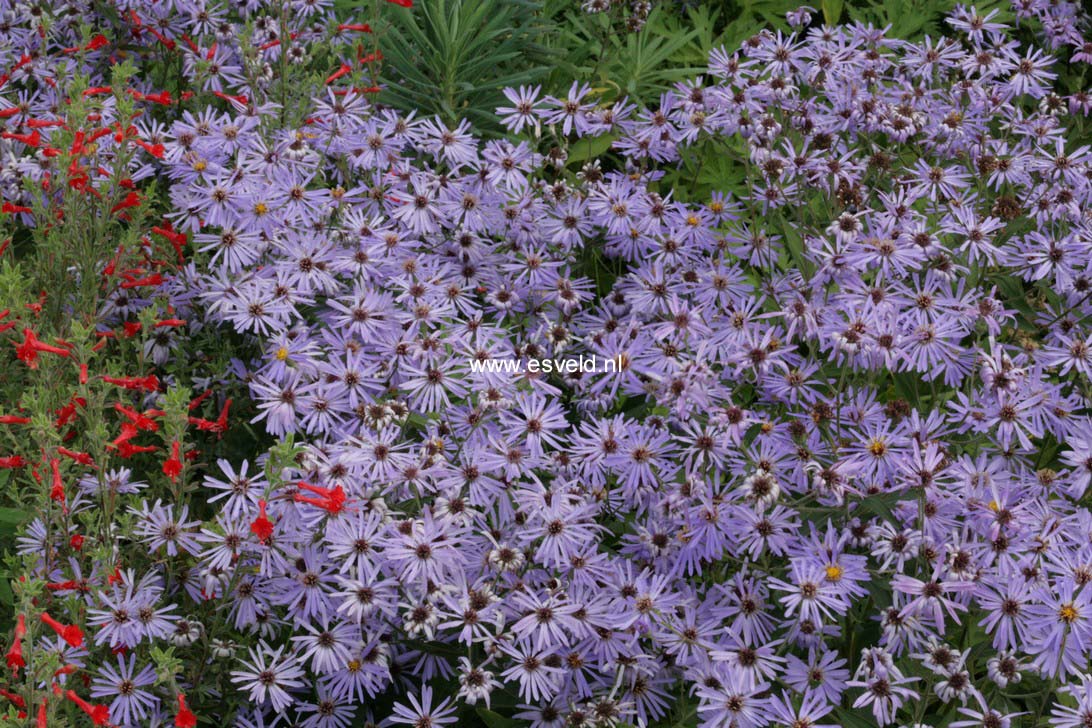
{"points": [[331, 500], [344, 70], [33, 139], [262, 527], [240, 99], [130, 200], [69, 633], [12, 461], [402, 3], [11, 209], [185, 717], [149, 383], [76, 542], [80, 457], [14, 655], [16, 699], [221, 421], [140, 421], [63, 585], [43, 715], [156, 150], [13, 420], [44, 123], [97, 42], [64, 670], [202, 424], [98, 134], [57, 491], [126, 451], [354, 27], [175, 238], [67, 413], [153, 280], [99, 714], [196, 402], [83, 374], [28, 351], [128, 432], [167, 42], [163, 98], [172, 466]]}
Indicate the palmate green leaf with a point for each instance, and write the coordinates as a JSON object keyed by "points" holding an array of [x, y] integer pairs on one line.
{"points": [[639, 65], [648, 69], [770, 12], [911, 19], [453, 58], [703, 21]]}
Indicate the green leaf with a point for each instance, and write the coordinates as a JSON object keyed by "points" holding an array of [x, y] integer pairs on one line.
{"points": [[751, 434], [882, 504], [587, 148], [832, 11], [13, 516], [496, 720], [852, 719], [453, 58]]}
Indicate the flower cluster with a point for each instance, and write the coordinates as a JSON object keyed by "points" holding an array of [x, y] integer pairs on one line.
{"points": [[843, 448]]}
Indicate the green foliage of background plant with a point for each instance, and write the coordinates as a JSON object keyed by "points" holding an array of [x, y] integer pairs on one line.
{"points": [[453, 58]]}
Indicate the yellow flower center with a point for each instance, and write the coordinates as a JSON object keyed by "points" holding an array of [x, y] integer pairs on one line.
{"points": [[994, 507], [692, 220], [834, 572], [354, 665], [877, 447], [200, 165], [716, 206], [1068, 613], [282, 354], [260, 208]]}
